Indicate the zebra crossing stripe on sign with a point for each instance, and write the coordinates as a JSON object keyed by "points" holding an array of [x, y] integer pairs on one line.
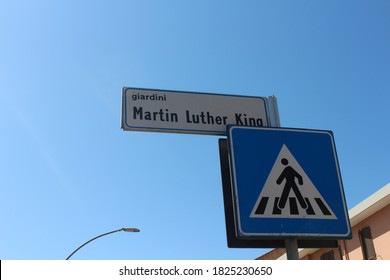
{"points": [[289, 193]]}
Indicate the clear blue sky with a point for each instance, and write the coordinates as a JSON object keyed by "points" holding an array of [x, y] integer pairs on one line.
{"points": [[67, 170]]}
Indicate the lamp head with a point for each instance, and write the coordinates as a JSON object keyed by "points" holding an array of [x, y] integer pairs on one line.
{"points": [[131, 229]]}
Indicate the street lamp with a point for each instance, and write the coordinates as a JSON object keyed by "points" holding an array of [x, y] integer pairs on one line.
{"points": [[107, 233]]}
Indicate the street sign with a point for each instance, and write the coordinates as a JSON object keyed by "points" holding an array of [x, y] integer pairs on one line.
{"points": [[287, 183], [234, 241], [189, 112]]}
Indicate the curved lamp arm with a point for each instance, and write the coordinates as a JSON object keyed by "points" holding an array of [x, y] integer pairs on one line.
{"points": [[107, 233]]}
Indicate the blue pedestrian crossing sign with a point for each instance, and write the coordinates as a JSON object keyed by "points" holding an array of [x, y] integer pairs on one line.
{"points": [[287, 183]]}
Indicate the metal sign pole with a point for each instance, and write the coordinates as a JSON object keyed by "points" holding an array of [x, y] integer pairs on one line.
{"points": [[292, 249]]}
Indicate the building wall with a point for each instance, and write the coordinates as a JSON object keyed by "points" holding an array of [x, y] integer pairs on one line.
{"points": [[380, 230], [381, 235]]}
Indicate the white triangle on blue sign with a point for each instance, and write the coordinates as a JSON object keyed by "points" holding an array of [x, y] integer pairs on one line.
{"points": [[289, 193]]}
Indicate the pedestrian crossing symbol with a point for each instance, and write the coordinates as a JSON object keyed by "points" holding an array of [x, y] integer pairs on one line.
{"points": [[286, 183], [298, 197]]}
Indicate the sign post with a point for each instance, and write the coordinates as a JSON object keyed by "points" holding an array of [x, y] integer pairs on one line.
{"points": [[292, 249]]}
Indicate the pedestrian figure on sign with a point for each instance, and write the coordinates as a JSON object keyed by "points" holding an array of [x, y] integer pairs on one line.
{"points": [[289, 174]]}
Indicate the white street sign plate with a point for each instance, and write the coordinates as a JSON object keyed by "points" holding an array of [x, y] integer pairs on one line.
{"points": [[190, 112]]}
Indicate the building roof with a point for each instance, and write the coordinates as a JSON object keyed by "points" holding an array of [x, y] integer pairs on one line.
{"points": [[360, 212]]}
